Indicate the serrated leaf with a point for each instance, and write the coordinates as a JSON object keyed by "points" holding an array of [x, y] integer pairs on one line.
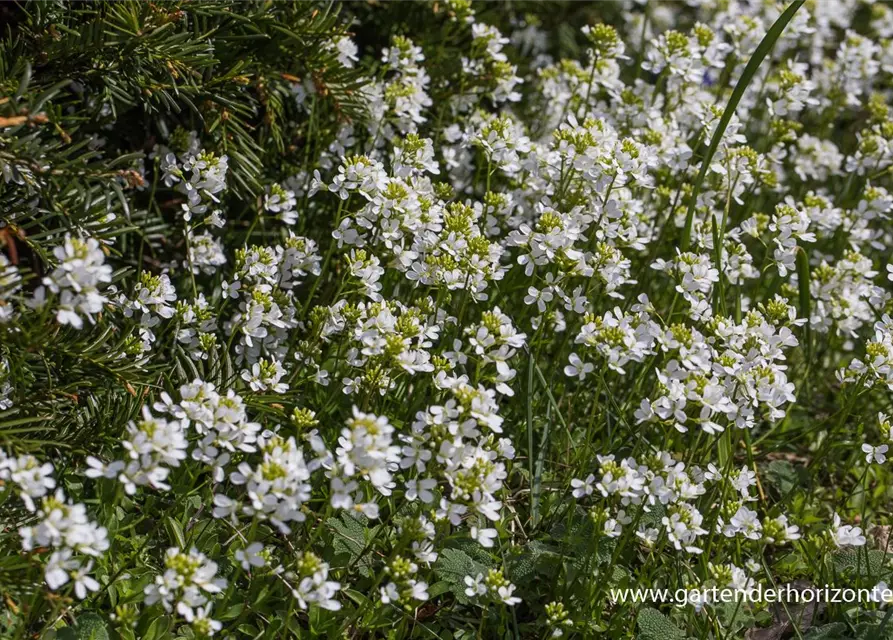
{"points": [[654, 515], [734, 615], [349, 538], [833, 631], [870, 631], [653, 625], [861, 562], [537, 558], [87, 626], [452, 566]]}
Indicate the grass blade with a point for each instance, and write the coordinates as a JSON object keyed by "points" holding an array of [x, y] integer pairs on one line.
{"points": [[534, 503], [803, 280]]}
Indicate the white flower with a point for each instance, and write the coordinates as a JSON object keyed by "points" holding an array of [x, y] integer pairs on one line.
{"points": [[185, 583], [347, 51], [420, 489], [846, 535], [56, 572], [583, 488], [882, 593], [485, 537], [875, 454], [251, 556], [505, 595], [746, 523], [475, 586], [77, 279], [83, 582], [540, 298], [390, 593], [32, 478], [577, 368], [418, 590]]}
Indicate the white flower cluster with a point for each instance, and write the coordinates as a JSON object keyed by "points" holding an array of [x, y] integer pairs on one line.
{"points": [[199, 175], [77, 280], [737, 373], [263, 286], [494, 587], [61, 527], [188, 580], [313, 584], [154, 446], [6, 389], [670, 487]]}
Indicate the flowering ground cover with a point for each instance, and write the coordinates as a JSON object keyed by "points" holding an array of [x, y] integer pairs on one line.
{"points": [[444, 319]]}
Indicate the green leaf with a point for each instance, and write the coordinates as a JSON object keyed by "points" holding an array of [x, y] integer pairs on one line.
{"points": [[654, 515], [438, 589], [158, 628], [175, 532], [783, 476], [803, 280], [833, 631], [725, 447], [536, 559], [861, 562], [358, 597], [87, 626], [653, 625], [232, 612], [452, 566], [870, 631], [349, 541], [734, 616]]}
